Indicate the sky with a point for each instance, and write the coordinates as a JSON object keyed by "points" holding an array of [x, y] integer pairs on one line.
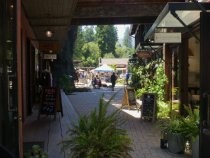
{"points": [[121, 30]]}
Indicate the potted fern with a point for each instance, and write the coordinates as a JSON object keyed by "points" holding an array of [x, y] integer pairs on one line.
{"points": [[173, 131], [191, 130], [181, 129], [35, 152], [98, 135]]}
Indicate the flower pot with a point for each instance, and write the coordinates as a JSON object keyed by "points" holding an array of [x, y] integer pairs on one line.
{"points": [[163, 143], [176, 143]]}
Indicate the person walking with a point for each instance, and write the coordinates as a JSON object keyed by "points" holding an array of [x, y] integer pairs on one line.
{"points": [[127, 76], [113, 80]]}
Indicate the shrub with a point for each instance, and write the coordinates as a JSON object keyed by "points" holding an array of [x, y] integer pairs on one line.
{"points": [[97, 135], [35, 152]]}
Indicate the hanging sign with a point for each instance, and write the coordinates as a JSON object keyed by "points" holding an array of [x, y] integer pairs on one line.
{"points": [[50, 56], [167, 37]]}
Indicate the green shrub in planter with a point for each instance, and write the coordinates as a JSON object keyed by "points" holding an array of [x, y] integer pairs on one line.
{"points": [[173, 131], [98, 135], [191, 124], [191, 130], [66, 83], [35, 152], [184, 128]]}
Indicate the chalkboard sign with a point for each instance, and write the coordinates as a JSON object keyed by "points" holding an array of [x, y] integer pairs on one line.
{"points": [[49, 101], [148, 106]]}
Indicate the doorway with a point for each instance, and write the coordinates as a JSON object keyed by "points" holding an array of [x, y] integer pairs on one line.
{"points": [[8, 77]]}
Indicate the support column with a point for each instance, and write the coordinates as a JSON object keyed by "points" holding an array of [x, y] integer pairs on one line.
{"points": [[183, 80], [204, 85], [168, 69]]}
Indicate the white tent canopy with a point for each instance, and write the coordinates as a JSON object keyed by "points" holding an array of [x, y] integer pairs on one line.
{"points": [[104, 68]]}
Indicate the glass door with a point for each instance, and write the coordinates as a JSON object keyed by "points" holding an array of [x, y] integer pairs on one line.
{"points": [[8, 77]]}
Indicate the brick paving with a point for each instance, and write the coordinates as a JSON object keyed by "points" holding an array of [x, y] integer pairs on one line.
{"points": [[145, 135]]}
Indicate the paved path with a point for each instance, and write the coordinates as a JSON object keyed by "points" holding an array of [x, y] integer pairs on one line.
{"points": [[145, 135]]}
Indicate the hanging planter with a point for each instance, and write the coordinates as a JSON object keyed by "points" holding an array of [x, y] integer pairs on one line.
{"points": [[144, 54]]}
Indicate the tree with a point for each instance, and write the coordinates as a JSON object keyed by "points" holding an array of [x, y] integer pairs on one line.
{"points": [[107, 39], [89, 34], [80, 41], [123, 51], [127, 39], [64, 64], [90, 54]]}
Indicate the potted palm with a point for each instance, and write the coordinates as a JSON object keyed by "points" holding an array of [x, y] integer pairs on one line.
{"points": [[98, 134]]}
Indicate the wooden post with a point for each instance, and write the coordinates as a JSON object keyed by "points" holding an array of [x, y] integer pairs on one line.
{"points": [[204, 85]]}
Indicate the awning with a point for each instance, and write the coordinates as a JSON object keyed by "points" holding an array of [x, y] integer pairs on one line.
{"points": [[187, 12], [104, 68]]}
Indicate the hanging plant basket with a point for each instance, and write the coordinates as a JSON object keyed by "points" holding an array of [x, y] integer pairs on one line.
{"points": [[144, 54]]}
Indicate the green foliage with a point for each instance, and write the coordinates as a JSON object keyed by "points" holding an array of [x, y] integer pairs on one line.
{"points": [[163, 109], [127, 39], [149, 78], [98, 135], [173, 125], [35, 152], [89, 34], [107, 39], [191, 123], [187, 126], [94, 42], [66, 83], [123, 51], [90, 54]]}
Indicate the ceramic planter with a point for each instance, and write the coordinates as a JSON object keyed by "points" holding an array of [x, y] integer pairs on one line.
{"points": [[195, 148], [176, 143]]}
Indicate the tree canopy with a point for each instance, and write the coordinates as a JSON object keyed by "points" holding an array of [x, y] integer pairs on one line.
{"points": [[94, 42], [107, 39]]}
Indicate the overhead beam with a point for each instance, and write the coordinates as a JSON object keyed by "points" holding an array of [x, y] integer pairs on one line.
{"points": [[113, 20], [55, 25], [48, 18], [121, 2]]}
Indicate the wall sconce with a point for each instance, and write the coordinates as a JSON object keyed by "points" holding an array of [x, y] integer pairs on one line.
{"points": [[49, 33]]}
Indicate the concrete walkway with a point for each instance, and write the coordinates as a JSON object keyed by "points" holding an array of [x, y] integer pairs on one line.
{"points": [[145, 135]]}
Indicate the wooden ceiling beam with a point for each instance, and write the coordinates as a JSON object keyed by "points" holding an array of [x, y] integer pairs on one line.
{"points": [[114, 20], [96, 3]]}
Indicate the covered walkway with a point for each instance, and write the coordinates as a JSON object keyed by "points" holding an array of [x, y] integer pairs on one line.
{"points": [[145, 135]]}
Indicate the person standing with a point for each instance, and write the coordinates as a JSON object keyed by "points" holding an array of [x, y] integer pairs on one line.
{"points": [[127, 76], [46, 79], [113, 80]]}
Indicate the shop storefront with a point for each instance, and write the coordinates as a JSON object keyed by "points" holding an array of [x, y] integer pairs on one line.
{"points": [[192, 57], [8, 77]]}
